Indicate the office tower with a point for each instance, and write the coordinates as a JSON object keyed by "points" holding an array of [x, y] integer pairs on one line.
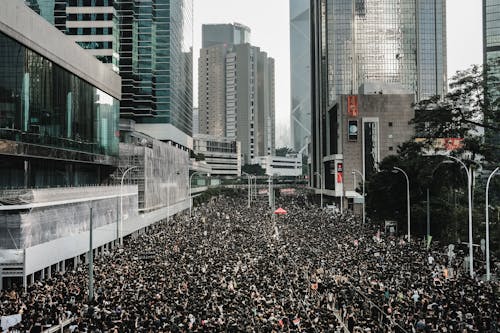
{"points": [[155, 48], [149, 43], [212, 90], [250, 100], [89, 23], [491, 54], [230, 34], [300, 73], [236, 92], [395, 47]]}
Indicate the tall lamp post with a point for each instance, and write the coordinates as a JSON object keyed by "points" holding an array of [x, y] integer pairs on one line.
{"points": [[469, 195], [321, 186], [121, 203], [488, 273], [354, 171], [249, 187], [396, 169]]}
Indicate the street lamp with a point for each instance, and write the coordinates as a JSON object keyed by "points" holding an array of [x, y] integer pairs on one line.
{"points": [[354, 171], [121, 203], [396, 169], [469, 194], [249, 189], [321, 182], [488, 273], [270, 187]]}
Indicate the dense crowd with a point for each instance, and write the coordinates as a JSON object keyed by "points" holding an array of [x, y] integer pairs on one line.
{"points": [[238, 269]]}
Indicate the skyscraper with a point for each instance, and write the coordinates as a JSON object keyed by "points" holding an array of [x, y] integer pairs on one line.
{"points": [[366, 47], [155, 48], [89, 23], [149, 43], [236, 90], [300, 72], [491, 53]]}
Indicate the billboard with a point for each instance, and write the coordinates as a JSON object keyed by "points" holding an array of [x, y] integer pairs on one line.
{"points": [[352, 130]]}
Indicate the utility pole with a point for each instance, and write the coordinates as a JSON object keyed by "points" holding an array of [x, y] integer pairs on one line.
{"points": [[91, 262]]}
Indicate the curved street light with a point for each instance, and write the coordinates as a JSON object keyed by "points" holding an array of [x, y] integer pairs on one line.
{"points": [[469, 198], [121, 203], [248, 189], [407, 197], [488, 273]]}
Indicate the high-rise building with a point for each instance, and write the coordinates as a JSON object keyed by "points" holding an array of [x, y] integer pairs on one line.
{"points": [[89, 23], [236, 92], [367, 47], [300, 73], [216, 34], [150, 44], [212, 90], [155, 48], [491, 53]]}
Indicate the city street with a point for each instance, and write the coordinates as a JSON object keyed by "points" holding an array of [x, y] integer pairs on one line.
{"points": [[231, 268]]}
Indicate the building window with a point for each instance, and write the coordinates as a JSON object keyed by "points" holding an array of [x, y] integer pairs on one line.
{"points": [[390, 124]]}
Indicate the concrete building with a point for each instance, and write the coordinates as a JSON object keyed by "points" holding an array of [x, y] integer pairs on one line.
{"points": [[223, 155], [398, 47], [237, 93], [300, 73], [212, 90], [229, 34], [250, 105], [366, 138], [491, 60], [196, 121], [284, 166]]}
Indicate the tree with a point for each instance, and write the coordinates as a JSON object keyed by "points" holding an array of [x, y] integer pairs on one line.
{"points": [[253, 169], [461, 113], [283, 151]]}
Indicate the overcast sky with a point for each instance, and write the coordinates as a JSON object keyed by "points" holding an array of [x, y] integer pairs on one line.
{"points": [[269, 22]]}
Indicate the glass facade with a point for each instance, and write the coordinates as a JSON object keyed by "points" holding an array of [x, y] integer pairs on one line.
{"points": [[44, 104], [491, 35], [91, 29], [300, 72], [399, 42], [156, 59]]}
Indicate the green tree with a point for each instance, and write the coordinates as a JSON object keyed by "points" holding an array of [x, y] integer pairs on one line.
{"points": [[283, 151], [253, 169]]}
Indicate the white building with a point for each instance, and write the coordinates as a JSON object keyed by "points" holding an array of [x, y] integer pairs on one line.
{"points": [[223, 155], [286, 166]]}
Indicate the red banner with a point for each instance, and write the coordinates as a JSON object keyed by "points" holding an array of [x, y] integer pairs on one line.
{"points": [[352, 106]]}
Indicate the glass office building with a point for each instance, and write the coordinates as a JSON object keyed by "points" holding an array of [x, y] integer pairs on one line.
{"points": [[396, 42], [55, 127], [156, 59], [392, 46], [148, 42], [300, 72], [491, 44]]}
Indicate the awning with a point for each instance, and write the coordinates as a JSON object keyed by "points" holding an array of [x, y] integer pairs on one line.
{"points": [[357, 198]]}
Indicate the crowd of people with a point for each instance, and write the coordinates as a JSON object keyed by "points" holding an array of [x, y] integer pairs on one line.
{"points": [[237, 269]]}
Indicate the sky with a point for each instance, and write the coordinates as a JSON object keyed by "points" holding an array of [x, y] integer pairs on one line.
{"points": [[270, 24]]}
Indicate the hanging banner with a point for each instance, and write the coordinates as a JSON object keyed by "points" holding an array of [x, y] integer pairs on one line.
{"points": [[340, 171], [352, 106]]}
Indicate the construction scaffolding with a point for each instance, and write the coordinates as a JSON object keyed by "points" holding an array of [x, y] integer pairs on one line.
{"points": [[159, 169]]}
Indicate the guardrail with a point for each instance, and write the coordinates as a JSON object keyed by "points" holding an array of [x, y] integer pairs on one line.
{"points": [[61, 326]]}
